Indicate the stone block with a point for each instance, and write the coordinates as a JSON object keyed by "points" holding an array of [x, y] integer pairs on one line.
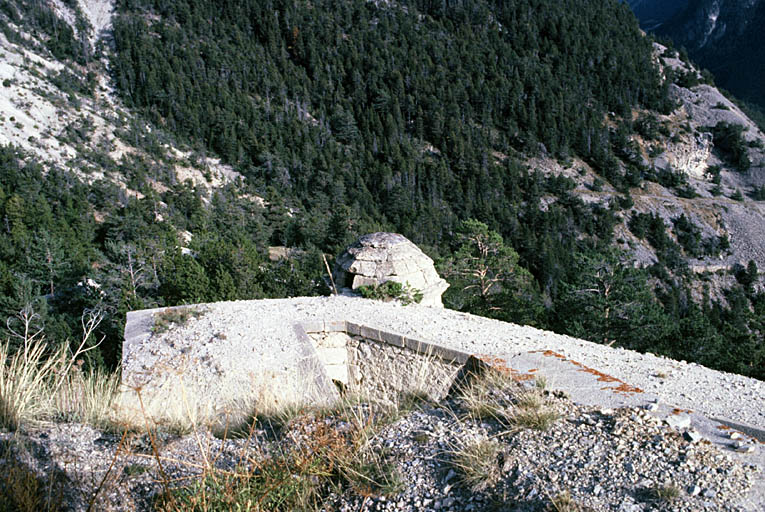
{"points": [[362, 267], [334, 340], [353, 329], [369, 333], [693, 436], [450, 355], [419, 346], [363, 281], [402, 268], [678, 421], [413, 280], [368, 253], [390, 338], [335, 326], [383, 271]]}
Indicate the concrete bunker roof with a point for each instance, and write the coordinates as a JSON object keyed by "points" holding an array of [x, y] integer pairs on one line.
{"points": [[219, 353]]}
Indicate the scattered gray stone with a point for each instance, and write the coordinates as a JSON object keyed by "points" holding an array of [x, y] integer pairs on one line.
{"points": [[693, 436], [603, 469]]}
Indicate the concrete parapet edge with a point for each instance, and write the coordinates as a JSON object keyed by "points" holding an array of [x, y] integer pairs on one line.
{"points": [[397, 340], [369, 333], [335, 326], [353, 329], [138, 326], [425, 348], [313, 326]]}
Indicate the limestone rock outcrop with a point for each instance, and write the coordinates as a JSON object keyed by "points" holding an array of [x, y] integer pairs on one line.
{"points": [[379, 257], [689, 155]]}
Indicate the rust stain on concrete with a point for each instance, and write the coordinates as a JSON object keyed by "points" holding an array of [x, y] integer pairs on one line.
{"points": [[622, 387]]}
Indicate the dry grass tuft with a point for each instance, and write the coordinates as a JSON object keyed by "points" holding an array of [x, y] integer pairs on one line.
{"points": [[487, 396], [40, 382], [563, 502], [531, 411], [494, 395], [667, 493], [88, 397], [166, 318], [319, 459], [477, 463], [25, 380]]}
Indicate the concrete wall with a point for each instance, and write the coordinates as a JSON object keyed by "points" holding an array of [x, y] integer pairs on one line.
{"points": [[381, 371]]}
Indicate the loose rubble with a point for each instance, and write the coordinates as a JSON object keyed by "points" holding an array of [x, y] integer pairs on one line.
{"points": [[607, 460]]}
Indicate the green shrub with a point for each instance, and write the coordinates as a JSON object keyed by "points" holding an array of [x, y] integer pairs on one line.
{"points": [[666, 493], [391, 290], [178, 316], [728, 139]]}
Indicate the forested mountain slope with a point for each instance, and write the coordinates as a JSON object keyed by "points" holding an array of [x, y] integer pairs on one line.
{"points": [[556, 126]]}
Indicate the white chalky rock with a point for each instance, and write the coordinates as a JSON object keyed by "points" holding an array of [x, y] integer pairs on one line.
{"points": [[678, 421]]}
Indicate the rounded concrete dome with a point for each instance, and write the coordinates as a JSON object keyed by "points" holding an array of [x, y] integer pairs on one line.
{"points": [[380, 257]]}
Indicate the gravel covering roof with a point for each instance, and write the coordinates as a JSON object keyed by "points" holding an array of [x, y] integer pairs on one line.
{"points": [[262, 332]]}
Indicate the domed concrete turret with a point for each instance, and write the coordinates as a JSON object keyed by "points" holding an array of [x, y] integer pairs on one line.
{"points": [[380, 257]]}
